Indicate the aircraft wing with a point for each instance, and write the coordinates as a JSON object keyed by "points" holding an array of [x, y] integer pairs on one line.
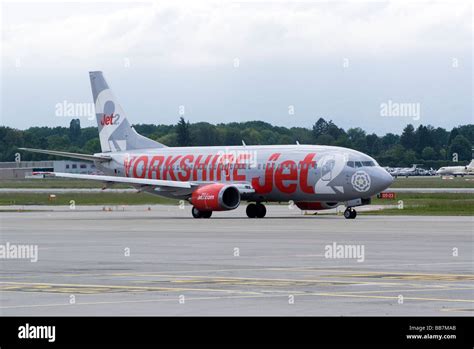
{"points": [[127, 180], [156, 185]]}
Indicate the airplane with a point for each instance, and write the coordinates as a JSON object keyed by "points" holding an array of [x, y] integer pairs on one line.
{"points": [[406, 171], [215, 178], [457, 170]]}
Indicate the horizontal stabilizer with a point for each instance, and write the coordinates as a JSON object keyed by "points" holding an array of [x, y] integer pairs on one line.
{"points": [[87, 157]]}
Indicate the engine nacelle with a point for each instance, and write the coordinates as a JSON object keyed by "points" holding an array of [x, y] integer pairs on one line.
{"points": [[312, 206], [216, 197]]}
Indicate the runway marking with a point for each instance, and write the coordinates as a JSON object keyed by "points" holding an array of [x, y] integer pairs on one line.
{"points": [[248, 281], [244, 280], [238, 297], [410, 290], [410, 276], [177, 273], [82, 288], [342, 267], [457, 309], [321, 279]]}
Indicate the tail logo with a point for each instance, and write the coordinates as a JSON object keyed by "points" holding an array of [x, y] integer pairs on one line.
{"points": [[110, 119]]}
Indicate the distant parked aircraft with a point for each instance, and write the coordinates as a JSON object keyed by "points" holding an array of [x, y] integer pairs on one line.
{"points": [[457, 170]]}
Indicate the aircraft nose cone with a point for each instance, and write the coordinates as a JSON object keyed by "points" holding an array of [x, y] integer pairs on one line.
{"points": [[382, 180], [386, 179]]}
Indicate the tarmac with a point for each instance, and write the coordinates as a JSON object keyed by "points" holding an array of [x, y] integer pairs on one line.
{"points": [[158, 260]]}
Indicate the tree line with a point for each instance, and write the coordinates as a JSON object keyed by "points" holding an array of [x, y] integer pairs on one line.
{"points": [[425, 145]]}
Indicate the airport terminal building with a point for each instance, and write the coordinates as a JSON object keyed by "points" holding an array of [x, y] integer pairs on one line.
{"points": [[27, 169]]}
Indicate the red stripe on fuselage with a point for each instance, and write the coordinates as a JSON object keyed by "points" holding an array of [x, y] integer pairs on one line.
{"points": [[286, 176]]}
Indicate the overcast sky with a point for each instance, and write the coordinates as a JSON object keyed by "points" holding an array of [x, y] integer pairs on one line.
{"points": [[239, 61]]}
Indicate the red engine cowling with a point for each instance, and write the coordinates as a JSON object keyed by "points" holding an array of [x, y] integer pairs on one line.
{"points": [[310, 206], [216, 197]]}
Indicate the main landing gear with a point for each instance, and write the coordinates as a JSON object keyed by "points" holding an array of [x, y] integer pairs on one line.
{"points": [[201, 214], [350, 213], [257, 210]]}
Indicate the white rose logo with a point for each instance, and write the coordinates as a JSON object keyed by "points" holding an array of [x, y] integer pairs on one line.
{"points": [[360, 181]]}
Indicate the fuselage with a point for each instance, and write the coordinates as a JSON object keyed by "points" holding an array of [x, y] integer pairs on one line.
{"points": [[455, 170], [275, 173]]}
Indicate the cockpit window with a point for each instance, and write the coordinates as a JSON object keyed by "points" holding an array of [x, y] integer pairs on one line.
{"points": [[357, 164]]}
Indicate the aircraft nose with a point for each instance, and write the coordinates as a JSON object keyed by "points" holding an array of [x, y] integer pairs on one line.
{"points": [[386, 179], [383, 180]]}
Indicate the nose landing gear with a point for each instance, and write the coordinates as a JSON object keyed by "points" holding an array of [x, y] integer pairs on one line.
{"points": [[257, 210], [350, 213]]}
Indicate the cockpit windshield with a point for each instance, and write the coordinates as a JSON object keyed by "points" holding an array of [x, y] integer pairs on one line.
{"points": [[357, 164]]}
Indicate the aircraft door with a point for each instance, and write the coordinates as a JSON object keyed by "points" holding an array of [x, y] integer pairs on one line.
{"points": [[327, 167]]}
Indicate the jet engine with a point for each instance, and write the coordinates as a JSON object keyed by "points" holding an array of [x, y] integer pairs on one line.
{"points": [[216, 197]]}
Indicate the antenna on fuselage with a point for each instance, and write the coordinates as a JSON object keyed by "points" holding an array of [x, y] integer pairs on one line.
{"points": [[243, 143], [297, 143]]}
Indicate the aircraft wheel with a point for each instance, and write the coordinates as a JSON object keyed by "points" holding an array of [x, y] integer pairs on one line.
{"points": [[206, 214], [350, 213], [196, 213], [261, 210], [251, 210]]}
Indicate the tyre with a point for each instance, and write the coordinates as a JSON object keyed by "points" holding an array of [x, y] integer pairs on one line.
{"points": [[196, 213], [261, 211], [347, 214], [251, 210], [206, 214]]}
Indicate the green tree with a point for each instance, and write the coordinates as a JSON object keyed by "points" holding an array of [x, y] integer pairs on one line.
{"points": [[428, 153], [92, 146], [203, 133], [461, 146], [408, 139], [358, 139], [389, 140], [343, 141], [409, 158], [442, 154], [320, 128], [182, 131], [251, 136], [453, 134], [74, 130], [325, 140], [423, 138], [58, 142], [373, 144], [393, 156]]}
